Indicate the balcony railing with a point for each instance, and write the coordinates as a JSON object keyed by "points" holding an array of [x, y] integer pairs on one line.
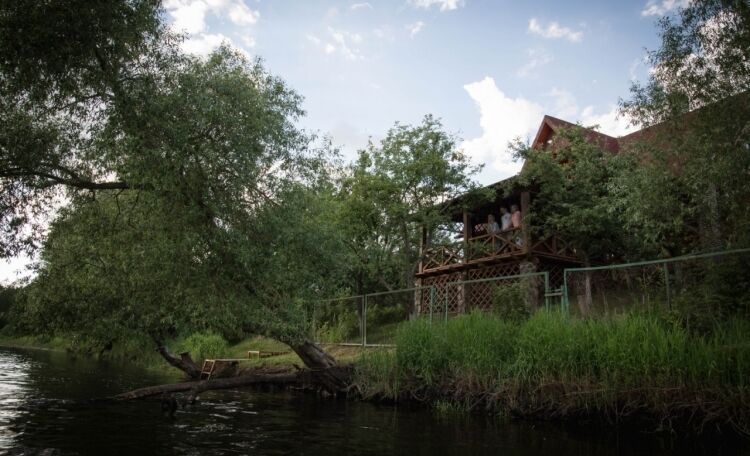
{"points": [[440, 256], [503, 244], [500, 243]]}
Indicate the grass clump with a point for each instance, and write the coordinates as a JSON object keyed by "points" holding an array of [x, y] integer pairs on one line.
{"points": [[551, 364]]}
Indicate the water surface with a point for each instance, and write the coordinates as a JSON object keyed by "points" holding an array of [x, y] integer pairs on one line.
{"points": [[46, 408]]}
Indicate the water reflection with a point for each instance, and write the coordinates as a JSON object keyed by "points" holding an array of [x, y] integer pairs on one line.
{"points": [[44, 403]]}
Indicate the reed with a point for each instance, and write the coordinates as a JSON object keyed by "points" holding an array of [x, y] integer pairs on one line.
{"points": [[635, 364]]}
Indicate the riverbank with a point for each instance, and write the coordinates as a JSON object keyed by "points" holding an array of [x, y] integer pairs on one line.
{"points": [[639, 369], [635, 369], [200, 346]]}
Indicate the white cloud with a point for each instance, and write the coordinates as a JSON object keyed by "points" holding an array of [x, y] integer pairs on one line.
{"points": [[415, 28], [204, 43], [248, 40], [537, 59], [444, 5], [189, 16], [339, 42], [611, 122], [240, 14], [361, 6], [660, 8], [503, 118], [554, 30]]}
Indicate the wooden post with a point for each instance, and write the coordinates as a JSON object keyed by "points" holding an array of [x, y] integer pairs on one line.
{"points": [[422, 247], [525, 203]]}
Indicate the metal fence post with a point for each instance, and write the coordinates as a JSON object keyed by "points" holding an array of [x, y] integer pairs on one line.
{"points": [[666, 281], [445, 301], [565, 303], [432, 301], [546, 290], [364, 321]]}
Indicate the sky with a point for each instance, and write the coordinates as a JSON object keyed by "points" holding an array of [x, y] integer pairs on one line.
{"points": [[489, 69]]}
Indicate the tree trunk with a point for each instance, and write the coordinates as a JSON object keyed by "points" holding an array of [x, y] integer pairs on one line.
{"points": [[197, 387], [324, 367], [184, 363]]}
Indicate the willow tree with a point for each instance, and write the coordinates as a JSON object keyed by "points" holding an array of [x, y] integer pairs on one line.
{"points": [[102, 111]]}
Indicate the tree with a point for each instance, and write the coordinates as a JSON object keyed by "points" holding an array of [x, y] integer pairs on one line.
{"points": [[703, 66], [395, 189], [206, 150], [575, 179]]}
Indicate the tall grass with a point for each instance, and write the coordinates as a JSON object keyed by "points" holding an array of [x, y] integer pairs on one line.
{"points": [[554, 360]]}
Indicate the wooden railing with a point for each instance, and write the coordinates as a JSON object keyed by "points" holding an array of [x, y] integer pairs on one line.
{"points": [[443, 255], [502, 244], [496, 244]]}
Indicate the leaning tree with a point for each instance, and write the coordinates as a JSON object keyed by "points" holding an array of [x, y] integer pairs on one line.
{"points": [[185, 182]]}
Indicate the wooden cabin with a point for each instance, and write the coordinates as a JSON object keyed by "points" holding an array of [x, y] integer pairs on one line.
{"points": [[472, 255], [466, 252]]}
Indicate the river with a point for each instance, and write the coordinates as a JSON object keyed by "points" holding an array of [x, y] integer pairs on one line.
{"points": [[46, 408]]}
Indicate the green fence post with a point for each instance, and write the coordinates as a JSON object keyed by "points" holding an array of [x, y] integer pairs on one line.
{"points": [[565, 292], [666, 281], [445, 301], [364, 321], [432, 301]]}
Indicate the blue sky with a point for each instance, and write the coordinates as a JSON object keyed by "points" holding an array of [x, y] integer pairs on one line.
{"points": [[489, 69]]}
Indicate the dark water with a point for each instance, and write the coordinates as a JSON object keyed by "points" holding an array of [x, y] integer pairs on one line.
{"points": [[45, 409]]}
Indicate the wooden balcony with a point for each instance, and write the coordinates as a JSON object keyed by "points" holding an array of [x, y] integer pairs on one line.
{"points": [[493, 247]]}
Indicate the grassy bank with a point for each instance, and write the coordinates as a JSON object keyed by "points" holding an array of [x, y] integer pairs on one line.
{"points": [[140, 352], [634, 367]]}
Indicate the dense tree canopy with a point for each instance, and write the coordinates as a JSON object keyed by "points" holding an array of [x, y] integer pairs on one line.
{"points": [[391, 192]]}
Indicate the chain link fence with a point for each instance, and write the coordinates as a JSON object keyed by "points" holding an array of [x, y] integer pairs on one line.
{"points": [[718, 280]]}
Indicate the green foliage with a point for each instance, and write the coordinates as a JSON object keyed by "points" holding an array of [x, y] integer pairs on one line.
{"points": [[630, 351], [193, 198], [390, 192], [576, 177], [8, 296], [700, 161], [509, 301], [203, 346]]}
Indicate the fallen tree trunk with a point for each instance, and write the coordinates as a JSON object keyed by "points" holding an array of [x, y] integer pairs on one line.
{"points": [[302, 378], [206, 385], [323, 366], [184, 363]]}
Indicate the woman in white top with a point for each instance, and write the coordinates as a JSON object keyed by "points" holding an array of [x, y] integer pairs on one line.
{"points": [[504, 219]]}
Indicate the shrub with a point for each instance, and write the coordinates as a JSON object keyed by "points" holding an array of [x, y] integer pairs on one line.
{"points": [[509, 301], [204, 346]]}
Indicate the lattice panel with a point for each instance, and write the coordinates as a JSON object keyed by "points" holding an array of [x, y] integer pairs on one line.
{"points": [[480, 295], [445, 295]]}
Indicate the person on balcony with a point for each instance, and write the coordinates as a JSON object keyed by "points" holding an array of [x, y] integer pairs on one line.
{"points": [[515, 216], [492, 226], [504, 219], [515, 219]]}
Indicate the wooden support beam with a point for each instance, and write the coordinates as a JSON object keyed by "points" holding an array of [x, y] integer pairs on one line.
{"points": [[525, 204], [467, 230]]}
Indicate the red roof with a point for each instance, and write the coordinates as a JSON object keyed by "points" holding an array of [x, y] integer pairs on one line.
{"points": [[551, 125]]}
